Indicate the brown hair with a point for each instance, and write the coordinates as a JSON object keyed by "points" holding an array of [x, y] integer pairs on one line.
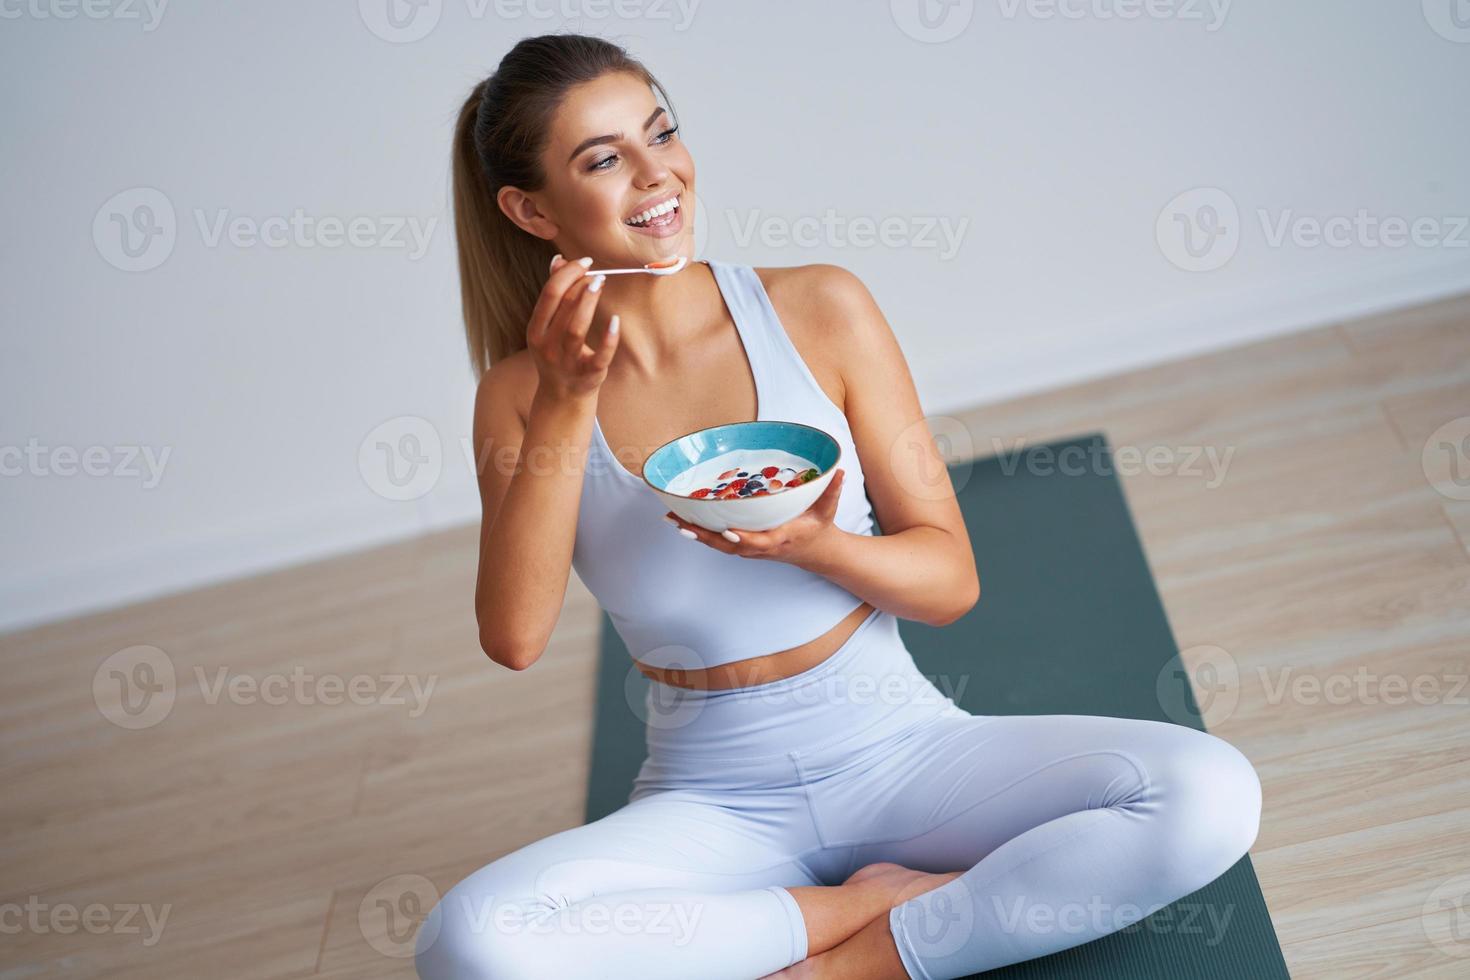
{"points": [[498, 141]]}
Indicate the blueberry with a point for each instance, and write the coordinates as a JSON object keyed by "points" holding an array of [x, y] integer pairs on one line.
{"points": [[742, 473]]}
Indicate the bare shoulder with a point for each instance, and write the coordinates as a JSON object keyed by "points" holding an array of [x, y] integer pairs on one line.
{"points": [[830, 315], [507, 387]]}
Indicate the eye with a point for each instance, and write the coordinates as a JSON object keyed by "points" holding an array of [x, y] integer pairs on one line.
{"points": [[662, 139]]}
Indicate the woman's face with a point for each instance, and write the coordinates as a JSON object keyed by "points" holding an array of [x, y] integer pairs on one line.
{"points": [[612, 154]]}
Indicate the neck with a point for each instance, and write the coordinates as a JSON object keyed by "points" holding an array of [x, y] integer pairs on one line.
{"points": [[656, 314]]}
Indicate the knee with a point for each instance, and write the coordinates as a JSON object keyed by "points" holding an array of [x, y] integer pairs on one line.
{"points": [[1212, 796], [464, 937]]}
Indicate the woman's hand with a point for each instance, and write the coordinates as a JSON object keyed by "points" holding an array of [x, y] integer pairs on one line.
{"points": [[793, 542], [570, 363]]}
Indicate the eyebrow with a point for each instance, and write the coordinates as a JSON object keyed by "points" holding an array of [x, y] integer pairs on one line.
{"points": [[615, 136]]}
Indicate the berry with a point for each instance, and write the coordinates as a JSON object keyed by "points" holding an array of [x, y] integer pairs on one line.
{"points": [[770, 471]]}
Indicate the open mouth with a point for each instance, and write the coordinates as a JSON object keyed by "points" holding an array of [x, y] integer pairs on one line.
{"points": [[659, 216]]}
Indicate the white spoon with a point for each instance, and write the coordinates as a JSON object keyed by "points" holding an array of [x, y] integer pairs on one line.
{"points": [[653, 269]]}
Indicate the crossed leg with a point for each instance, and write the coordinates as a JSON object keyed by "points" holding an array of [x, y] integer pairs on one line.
{"points": [[1065, 828], [671, 885]]}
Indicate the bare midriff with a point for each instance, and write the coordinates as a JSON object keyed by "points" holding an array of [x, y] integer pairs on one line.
{"points": [[765, 668]]}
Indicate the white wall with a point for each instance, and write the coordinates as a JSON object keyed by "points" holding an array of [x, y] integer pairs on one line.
{"points": [[1053, 143]]}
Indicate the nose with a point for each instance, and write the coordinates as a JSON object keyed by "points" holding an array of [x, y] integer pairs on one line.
{"points": [[650, 170]]}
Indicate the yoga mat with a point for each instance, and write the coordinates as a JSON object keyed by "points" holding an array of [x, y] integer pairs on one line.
{"points": [[1069, 622]]}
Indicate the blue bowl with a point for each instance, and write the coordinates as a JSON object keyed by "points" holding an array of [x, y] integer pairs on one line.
{"points": [[669, 461]]}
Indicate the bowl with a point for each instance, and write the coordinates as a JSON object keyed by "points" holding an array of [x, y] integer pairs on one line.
{"points": [[755, 513]]}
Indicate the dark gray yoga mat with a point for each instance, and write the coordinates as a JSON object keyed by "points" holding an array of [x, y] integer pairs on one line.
{"points": [[1069, 623]]}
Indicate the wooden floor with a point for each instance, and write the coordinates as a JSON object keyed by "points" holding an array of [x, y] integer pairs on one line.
{"points": [[273, 834]]}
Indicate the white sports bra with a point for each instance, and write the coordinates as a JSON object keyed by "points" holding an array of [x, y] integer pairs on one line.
{"points": [[678, 603]]}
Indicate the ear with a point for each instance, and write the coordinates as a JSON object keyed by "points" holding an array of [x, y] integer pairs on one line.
{"points": [[522, 209]]}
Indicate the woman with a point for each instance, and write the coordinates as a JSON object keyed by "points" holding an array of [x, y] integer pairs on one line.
{"points": [[810, 804]]}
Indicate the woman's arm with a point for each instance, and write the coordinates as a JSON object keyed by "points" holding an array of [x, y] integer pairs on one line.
{"points": [[530, 488], [922, 567]]}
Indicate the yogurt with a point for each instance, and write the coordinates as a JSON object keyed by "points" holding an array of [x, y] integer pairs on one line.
{"points": [[744, 473]]}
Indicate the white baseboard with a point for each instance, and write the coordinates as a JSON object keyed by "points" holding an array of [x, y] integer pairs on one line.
{"points": [[963, 381], [1025, 362]]}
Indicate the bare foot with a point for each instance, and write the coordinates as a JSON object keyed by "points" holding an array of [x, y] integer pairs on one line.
{"points": [[903, 882]]}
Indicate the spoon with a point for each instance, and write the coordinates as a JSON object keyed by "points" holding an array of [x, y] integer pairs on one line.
{"points": [[663, 267]]}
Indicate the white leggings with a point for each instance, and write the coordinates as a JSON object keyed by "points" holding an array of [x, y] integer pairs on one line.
{"points": [[1067, 827]]}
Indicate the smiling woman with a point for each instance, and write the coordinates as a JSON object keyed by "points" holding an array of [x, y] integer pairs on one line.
{"points": [[784, 816]]}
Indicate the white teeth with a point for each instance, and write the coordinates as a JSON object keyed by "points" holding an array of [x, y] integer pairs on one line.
{"points": [[670, 205]]}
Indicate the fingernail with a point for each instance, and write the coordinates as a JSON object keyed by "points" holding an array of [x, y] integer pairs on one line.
{"points": [[586, 261], [731, 535], [688, 533], [596, 284], [556, 260], [613, 326]]}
